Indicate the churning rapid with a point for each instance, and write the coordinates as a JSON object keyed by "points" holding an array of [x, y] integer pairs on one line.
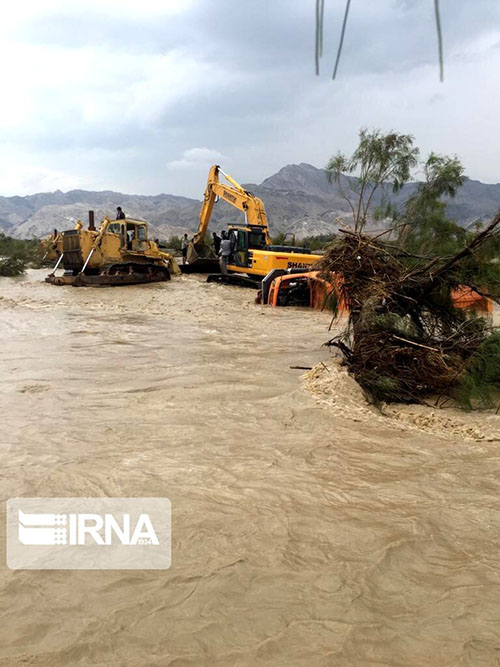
{"points": [[308, 529]]}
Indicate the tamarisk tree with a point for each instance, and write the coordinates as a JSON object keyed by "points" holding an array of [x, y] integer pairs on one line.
{"points": [[379, 159]]}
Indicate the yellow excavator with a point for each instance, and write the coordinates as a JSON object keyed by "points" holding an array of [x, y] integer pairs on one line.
{"points": [[253, 255], [118, 253]]}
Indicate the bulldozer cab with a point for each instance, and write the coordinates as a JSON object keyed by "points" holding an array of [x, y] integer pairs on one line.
{"points": [[133, 235]]}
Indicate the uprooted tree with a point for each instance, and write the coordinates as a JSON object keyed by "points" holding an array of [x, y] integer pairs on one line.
{"points": [[406, 340]]}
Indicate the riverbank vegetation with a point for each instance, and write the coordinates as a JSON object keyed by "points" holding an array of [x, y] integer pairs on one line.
{"points": [[16, 255], [407, 337]]}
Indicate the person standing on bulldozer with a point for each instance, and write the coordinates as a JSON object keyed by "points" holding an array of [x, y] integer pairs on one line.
{"points": [[120, 215]]}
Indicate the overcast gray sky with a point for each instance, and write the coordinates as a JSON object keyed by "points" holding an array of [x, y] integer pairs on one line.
{"points": [[142, 96]]}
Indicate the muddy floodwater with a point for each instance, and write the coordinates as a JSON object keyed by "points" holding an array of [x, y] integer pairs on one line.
{"points": [[306, 530]]}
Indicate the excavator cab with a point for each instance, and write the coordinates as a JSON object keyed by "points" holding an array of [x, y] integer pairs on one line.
{"points": [[239, 246], [256, 239], [243, 240]]}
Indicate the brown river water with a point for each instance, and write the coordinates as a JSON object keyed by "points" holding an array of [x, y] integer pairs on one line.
{"points": [[308, 529]]}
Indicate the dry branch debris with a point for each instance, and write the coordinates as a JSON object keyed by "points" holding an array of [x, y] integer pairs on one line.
{"points": [[405, 339]]}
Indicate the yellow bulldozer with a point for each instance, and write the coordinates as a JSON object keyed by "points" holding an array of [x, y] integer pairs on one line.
{"points": [[118, 253]]}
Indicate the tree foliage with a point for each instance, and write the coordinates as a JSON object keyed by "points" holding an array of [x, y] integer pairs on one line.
{"points": [[174, 242], [378, 160], [425, 230], [421, 227], [16, 255], [425, 227], [12, 266]]}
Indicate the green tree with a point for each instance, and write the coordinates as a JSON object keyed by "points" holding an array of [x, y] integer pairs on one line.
{"points": [[425, 229], [16, 255], [278, 238], [379, 159], [174, 242], [319, 241]]}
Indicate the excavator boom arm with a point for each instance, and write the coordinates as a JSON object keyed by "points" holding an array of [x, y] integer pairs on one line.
{"points": [[235, 195]]}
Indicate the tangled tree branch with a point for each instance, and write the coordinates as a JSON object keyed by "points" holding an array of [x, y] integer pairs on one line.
{"points": [[406, 339]]}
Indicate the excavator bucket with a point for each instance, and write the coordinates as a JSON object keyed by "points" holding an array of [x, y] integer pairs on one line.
{"points": [[201, 259]]}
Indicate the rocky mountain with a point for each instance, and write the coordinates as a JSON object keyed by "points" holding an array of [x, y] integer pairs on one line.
{"points": [[298, 199], [37, 215]]}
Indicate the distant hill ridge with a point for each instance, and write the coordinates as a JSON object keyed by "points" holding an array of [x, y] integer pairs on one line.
{"points": [[298, 199]]}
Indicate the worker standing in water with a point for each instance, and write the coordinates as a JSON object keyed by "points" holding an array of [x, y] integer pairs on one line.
{"points": [[120, 215], [225, 252], [184, 247]]}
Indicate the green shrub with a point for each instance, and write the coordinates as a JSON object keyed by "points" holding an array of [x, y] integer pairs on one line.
{"points": [[480, 383], [12, 266], [20, 252]]}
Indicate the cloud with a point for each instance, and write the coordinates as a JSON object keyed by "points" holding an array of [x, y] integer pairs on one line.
{"points": [[197, 158], [25, 179], [143, 97]]}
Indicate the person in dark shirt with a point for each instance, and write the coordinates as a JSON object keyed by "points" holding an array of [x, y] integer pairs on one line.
{"points": [[120, 215], [184, 247], [217, 241]]}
